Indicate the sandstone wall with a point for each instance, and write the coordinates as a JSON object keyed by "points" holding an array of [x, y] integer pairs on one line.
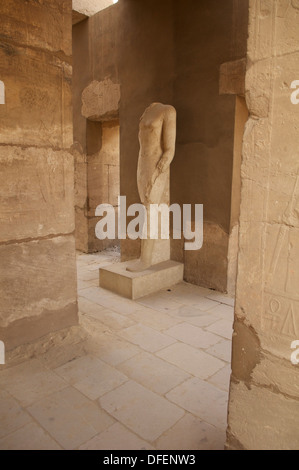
{"points": [[96, 94], [37, 267], [264, 395], [207, 35]]}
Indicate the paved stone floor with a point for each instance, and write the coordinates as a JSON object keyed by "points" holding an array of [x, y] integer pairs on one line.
{"points": [[151, 374]]}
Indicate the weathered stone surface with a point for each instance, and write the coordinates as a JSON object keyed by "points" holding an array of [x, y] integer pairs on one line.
{"points": [[260, 45], [25, 331], [38, 108], [260, 19], [232, 259], [241, 118], [96, 182], [287, 27], [246, 353], [39, 24], [68, 342], [81, 230], [268, 273], [264, 413], [80, 179], [36, 277], [279, 375], [110, 143], [130, 250], [232, 78], [94, 244], [86, 240], [258, 97], [38, 271], [271, 426], [100, 100], [213, 256], [36, 192]]}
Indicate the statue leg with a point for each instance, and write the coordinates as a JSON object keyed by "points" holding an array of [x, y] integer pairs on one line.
{"points": [[147, 248], [148, 245]]}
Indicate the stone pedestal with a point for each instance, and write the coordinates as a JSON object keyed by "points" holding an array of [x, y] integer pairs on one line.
{"points": [[133, 286]]}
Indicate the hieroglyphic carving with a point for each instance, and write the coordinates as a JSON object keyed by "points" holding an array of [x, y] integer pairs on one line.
{"points": [[281, 300], [281, 315], [282, 8]]}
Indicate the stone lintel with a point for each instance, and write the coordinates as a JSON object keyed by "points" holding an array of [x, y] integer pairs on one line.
{"points": [[232, 78], [78, 17], [100, 101]]}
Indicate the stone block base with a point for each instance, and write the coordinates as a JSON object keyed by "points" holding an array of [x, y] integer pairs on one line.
{"points": [[136, 285]]}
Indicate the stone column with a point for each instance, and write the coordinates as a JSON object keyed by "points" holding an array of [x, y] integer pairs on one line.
{"points": [[37, 250], [264, 394]]}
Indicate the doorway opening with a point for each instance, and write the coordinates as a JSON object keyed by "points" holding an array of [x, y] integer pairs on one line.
{"points": [[172, 347]]}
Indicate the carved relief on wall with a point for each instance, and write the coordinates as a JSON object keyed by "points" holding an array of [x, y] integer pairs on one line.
{"points": [[281, 297]]}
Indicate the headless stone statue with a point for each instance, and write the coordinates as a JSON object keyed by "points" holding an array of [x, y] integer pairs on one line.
{"points": [[157, 136]]}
